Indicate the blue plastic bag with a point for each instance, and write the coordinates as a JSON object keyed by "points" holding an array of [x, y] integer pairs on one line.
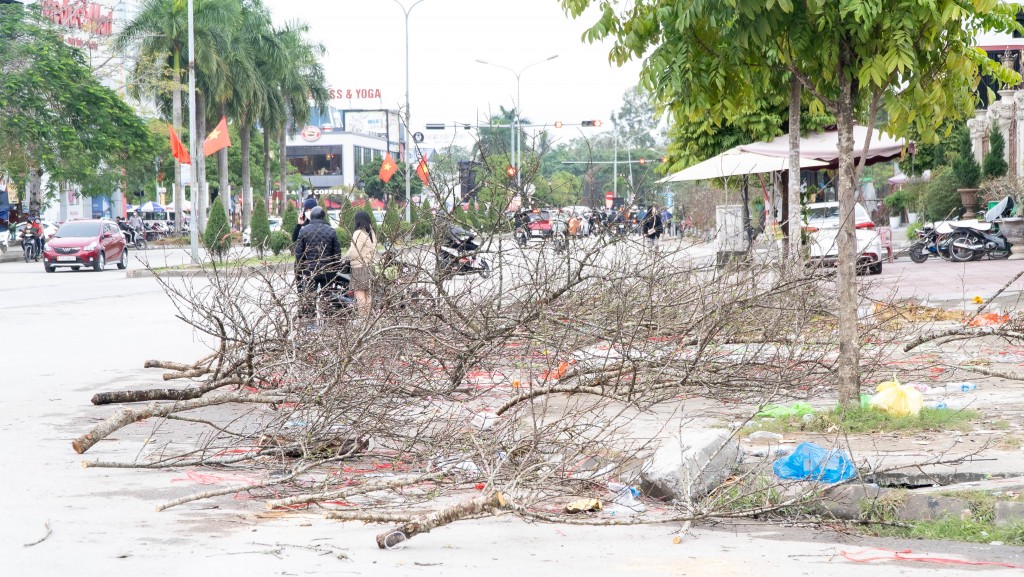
{"points": [[810, 462]]}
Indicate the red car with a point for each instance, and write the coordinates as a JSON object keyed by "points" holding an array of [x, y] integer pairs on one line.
{"points": [[91, 243], [540, 224]]}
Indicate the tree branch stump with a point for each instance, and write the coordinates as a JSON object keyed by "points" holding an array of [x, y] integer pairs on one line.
{"points": [[392, 538]]}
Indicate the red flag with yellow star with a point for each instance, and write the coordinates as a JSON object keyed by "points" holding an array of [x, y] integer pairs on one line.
{"points": [[387, 168], [217, 139], [422, 171], [178, 150]]}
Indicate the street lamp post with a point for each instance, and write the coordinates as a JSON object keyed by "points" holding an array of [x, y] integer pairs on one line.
{"points": [[408, 126], [518, 108], [194, 224]]}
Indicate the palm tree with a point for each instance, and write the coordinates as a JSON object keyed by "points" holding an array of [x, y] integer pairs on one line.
{"points": [[161, 32], [303, 80]]}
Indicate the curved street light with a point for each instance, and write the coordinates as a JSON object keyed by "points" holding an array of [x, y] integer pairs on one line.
{"points": [[515, 124]]}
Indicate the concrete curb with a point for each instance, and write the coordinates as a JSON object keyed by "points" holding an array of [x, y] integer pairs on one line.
{"points": [[208, 271], [864, 502]]}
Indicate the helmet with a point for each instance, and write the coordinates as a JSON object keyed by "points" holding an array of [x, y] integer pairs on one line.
{"points": [[317, 213]]}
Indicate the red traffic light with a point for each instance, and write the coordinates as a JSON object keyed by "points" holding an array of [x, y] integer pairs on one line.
{"points": [[510, 171], [642, 161], [594, 123], [558, 124]]}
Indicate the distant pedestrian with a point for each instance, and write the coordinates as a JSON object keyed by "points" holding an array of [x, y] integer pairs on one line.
{"points": [[666, 221], [360, 254], [652, 227]]}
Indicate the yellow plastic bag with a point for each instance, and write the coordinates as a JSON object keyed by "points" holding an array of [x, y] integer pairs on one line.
{"points": [[897, 399]]}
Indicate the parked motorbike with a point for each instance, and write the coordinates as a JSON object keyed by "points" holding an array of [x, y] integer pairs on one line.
{"points": [[5, 236], [457, 254], [975, 242], [155, 231], [929, 244]]}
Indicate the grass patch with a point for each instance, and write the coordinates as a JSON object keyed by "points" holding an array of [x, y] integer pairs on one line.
{"points": [[979, 528], [234, 263], [868, 420]]}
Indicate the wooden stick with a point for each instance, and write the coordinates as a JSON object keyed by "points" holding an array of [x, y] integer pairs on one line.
{"points": [[351, 491], [143, 395], [389, 539], [127, 416]]}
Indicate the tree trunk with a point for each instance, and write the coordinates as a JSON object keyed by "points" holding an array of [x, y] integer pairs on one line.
{"points": [[793, 213], [282, 152], [246, 136], [266, 167], [176, 122], [224, 170], [200, 198], [849, 341], [35, 190]]}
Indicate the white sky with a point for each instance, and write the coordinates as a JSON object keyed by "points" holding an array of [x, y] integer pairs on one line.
{"points": [[365, 40]]}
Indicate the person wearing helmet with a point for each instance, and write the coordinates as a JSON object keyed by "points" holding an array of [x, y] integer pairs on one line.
{"points": [[316, 258], [35, 231]]}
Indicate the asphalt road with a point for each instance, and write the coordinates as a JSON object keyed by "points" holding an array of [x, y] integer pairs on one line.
{"points": [[68, 335]]}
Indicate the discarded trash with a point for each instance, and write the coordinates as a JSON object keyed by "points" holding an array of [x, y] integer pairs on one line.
{"points": [[677, 540], [978, 300], [583, 506], [961, 387], [897, 399], [865, 400], [769, 452], [484, 420], [626, 497], [815, 463], [798, 409], [989, 319], [766, 438], [950, 404]]}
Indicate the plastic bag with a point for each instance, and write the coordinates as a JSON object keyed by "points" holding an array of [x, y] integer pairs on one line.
{"points": [[897, 399], [781, 412], [810, 462]]}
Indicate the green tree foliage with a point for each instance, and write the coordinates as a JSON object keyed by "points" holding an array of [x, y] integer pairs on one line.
{"points": [[941, 199], [563, 188], [391, 228], [424, 220], [459, 215], [217, 236], [259, 237], [635, 121], [344, 236], [290, 219], [914, 60], [965, 167], [995, 165], [279, 241], [56, 117], [369, 175]]}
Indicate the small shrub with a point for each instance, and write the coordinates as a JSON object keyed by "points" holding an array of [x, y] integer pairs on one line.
{"points": [[259, 227], [290, 220], [344, 237], [941, 199], [217, 236], [279, 241], [994, 165], [965, 168]]}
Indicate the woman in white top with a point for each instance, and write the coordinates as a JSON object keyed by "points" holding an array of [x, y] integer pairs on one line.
{"points": [[360, 254]]}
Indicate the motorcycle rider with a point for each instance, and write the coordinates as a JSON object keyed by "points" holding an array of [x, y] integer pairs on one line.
{"points": [[135, 222], [34, 230], [126, 230]]}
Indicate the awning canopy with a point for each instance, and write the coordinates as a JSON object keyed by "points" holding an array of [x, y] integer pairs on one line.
{"points": [[735, 162], [824, 146]]}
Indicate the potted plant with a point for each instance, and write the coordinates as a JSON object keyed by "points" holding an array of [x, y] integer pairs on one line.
{"points": [[897, 202], [967, 172]]}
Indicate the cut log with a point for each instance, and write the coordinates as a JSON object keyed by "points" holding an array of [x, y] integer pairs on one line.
{"points": [[392, 538], [128, 416], [158, 394]]}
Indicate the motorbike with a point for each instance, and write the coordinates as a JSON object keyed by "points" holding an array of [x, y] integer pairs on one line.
{"points": [[5, 236], [155, 231], [135, 239], [559, 235], [930, 243], [30, 247], [973, 242], [457, 254]]}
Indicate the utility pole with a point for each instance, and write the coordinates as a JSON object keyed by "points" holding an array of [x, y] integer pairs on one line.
{"points": [[194, 224]]}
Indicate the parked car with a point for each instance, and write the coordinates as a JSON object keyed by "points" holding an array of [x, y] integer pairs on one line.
{"points": [[91, 243], [275, 225], [822, 228], [49, 229]]}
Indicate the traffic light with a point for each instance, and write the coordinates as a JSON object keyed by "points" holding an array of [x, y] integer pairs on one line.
{"points": [[642, 161], [558, 124], [594, 123], [510, 171]]}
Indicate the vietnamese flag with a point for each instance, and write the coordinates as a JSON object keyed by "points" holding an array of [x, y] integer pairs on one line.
{"points": [[422, 171], [387, 168], [178, 150], [217, 139]]}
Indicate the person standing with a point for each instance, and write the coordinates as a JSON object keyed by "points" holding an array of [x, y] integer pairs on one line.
{"points": [[360, 255], [653, 227], [316, 259]]}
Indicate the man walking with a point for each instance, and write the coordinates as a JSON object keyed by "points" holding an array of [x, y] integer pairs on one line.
{"points": [[652, 227], [317, 253]]}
